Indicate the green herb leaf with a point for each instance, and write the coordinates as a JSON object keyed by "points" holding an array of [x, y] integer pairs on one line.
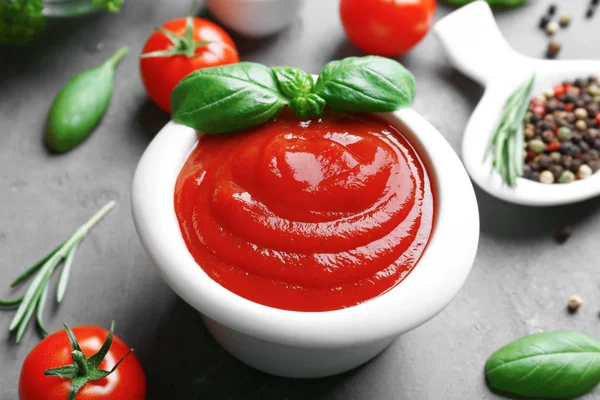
{"points": [[298, 87], [293, 82], [108, 5], [366, 84], [227, 98], [238, 96], [553, 365], [65, 274], [20, 20], [34, 300], [506, 140]]}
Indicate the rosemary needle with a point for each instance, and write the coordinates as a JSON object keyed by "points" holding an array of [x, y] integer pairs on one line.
{"points": [[506, 142], [36, 295]]}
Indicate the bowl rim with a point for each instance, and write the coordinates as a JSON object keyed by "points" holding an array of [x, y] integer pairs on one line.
{"points": [[426, 291]]}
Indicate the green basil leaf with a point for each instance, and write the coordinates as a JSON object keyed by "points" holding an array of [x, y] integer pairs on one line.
{"points": [[293, 82], [227, 98], [553, 365], [366, 84], [298, 87]]}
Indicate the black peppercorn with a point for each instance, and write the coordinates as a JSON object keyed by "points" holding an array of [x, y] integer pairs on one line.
{"points": [[575, 165], [544, 161], [570, 98], [544, 21], [556, 170], [535, 166], [548, 136], [590, 12], [594, 165], [553, 48], [567, 149], [550, 107], [562, 233], [597, 143]]}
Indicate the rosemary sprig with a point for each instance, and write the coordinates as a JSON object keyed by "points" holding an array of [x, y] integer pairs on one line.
{"points": [[506, 142], [34, 300]]}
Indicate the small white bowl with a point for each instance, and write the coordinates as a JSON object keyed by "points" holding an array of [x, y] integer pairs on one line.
{"points": [[255, 17], [475, 46], [312, 344]]}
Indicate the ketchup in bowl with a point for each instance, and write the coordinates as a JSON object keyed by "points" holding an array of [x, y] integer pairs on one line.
{"points": [[306, 215]]}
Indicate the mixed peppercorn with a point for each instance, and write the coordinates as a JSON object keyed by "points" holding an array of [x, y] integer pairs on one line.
{"points": [[562, 133]]}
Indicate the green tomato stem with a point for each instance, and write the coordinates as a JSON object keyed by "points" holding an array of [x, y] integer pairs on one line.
{"points": [[80, 361]]}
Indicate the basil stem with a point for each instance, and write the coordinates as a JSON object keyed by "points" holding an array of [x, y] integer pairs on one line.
{"points": [[506, 141], [552, 365], [239, 96], [34, 300], [298, 87]]}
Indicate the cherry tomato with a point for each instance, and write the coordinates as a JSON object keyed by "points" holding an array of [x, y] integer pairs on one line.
{"points": [[126, 382], [384, 27], [179, 47]]}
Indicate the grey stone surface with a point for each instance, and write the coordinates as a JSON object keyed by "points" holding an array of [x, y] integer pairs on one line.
{"points": [[519, 284]]}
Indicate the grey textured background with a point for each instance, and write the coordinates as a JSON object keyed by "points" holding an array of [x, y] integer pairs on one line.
{"points": [[519, 284]]}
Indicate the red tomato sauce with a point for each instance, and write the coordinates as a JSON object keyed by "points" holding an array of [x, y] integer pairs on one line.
{"points": [[306, 215]]}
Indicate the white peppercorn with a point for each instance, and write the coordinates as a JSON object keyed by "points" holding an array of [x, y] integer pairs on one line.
{"points": [[584, 171], [549, 93], [552, 27], [546, 177], [581, 125], [575, 302], [580, 113]]}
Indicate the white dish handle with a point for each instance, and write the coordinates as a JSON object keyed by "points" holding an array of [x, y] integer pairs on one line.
{"points": [[474, 43]]}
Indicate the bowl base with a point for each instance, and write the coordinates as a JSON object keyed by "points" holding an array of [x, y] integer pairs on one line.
{"points": [[293, 362]]}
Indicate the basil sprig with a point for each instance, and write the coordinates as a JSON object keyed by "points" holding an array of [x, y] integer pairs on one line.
{"points": [[239, 96], [552, 365]]}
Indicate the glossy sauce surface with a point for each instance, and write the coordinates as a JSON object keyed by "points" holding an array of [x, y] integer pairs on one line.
{"points": [[306, 215]]}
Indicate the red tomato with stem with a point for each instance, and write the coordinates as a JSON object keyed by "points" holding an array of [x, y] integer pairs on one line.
{"points": [[178, 48], [92, 364], [386, 27]]}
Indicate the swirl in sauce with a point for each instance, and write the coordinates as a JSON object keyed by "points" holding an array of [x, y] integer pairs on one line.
{"points": [[306, 215]]}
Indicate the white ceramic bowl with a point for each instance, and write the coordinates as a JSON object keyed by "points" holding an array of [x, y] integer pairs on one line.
{"points": [[475, 46], [255, 17], [312, 344]]}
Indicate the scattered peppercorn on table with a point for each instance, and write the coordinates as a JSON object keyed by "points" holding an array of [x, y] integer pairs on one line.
{"points": [[523, 281]]}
